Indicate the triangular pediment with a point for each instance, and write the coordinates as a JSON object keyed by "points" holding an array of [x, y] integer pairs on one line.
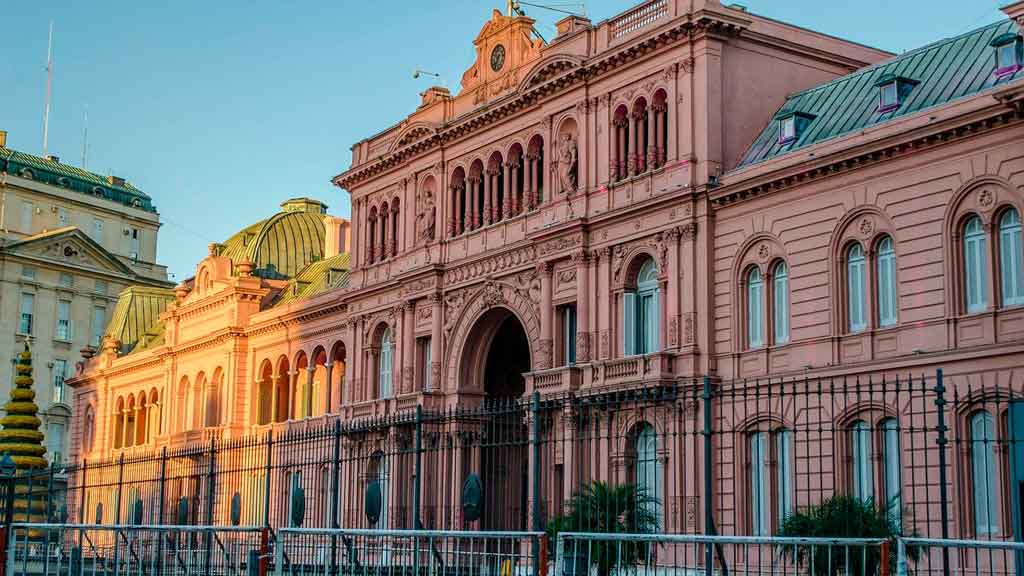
{"points": [[69, 247]]}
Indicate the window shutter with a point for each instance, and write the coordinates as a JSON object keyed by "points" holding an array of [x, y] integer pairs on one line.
{"points": [[629, 323]]}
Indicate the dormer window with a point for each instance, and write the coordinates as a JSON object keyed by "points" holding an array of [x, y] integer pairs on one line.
{"points": [[893, 91], [792, 125], [1008, 53]]}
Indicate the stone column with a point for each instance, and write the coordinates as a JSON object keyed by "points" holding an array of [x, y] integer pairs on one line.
{"points": [[582, 261], [659, 134], [329, 387], [531, 201], [408, 347], [436, 340], [672, 292], [513, 195], [632, 155], [606, 313], [488, 192], [275, 397], [309, 390], [649, 134], [508, 191], [546, 341]]}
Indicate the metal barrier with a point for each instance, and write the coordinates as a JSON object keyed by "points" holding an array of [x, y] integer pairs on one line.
{"points": [[581, 553], [316, 551], [975, 557], [88, 549]]}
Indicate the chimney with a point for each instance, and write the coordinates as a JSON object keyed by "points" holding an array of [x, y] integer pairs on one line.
{"points": [[336, 241], [115, 180], [3, 139]]}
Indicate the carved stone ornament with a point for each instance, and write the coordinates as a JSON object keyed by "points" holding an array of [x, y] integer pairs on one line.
{"points": [[764, 252], [426, 215], [568, 162], [986, 198], [492, 294], [866, 226]]}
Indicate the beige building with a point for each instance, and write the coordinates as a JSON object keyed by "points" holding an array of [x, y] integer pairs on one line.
{"points": [[70, 242]]}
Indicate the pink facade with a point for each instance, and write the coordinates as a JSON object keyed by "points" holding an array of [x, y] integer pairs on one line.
{"points": [[585, 213]]}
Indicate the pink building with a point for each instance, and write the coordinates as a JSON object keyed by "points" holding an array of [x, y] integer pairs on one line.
{"points": [[684, 189]]}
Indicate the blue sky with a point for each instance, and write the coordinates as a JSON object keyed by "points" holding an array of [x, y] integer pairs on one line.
{"points": [[222, 109]]}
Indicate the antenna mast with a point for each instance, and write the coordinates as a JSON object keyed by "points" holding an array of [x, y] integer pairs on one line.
{"points": [[85, 138], [49, 91]]}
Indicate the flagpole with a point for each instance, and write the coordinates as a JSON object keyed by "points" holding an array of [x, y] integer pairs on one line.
{"points": [[49, 92]]}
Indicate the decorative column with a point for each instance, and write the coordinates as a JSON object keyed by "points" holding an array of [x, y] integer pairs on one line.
{"points": [[370, 233], [311, 369], [488, 192], [533, 200], [546, 341], [467, 206], [512, 196], [649, 132], [329, 387], [474, 203], [606, 312], [507, 191], [672, 291], [459, 216], [582, 261], [632, 154], [622, 147], [660, 110], [408, 348], [436, 342]]}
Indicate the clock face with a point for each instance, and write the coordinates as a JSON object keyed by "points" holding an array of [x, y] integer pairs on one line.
{"points": [[497, 57]]}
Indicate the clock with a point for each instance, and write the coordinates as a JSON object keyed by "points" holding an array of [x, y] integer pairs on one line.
{"points": [[497, 57]]}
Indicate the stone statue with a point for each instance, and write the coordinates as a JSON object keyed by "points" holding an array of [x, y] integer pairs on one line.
{"points": [[425, 216], [568, 163]]}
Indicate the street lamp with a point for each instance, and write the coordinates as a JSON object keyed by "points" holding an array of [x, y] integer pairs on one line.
{"points": [[8, 469]]}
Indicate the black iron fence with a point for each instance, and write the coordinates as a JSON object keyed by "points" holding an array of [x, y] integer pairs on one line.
{"points": [[931, 459]]}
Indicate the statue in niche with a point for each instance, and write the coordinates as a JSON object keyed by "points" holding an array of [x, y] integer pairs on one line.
{"points": [[568, 163], [425, 215]]}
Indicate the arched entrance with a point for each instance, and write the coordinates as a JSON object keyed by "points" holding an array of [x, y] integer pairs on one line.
{"points": [[496, 355]]}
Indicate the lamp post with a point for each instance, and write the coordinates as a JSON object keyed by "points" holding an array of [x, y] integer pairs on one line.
{"points": [[8, 469]]}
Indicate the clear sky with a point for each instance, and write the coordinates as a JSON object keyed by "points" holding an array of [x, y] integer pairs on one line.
{"points": [[221, 109]]}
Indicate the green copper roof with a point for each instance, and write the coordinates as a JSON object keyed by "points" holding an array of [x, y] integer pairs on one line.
{"points": [[73, 178], [947, 70], [283, 244], [136, 315], [318, 277]]}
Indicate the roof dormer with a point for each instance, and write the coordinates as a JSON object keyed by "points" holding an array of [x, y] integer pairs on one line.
{"points": [[1008, 53], [792, 125]]}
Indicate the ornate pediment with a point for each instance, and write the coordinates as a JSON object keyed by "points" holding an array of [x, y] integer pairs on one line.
{"points": [[504, 46], [69, 248]]}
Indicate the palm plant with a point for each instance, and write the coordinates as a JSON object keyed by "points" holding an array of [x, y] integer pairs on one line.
{"points": [[599, 507], [843, 517]]}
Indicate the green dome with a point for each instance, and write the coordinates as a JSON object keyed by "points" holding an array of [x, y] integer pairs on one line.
{"points": [[283, 244]]}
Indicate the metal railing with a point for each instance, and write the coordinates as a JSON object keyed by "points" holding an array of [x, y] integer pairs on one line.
{"points": [[316, 551], [89, 549], [976, 557], [578, 553]]}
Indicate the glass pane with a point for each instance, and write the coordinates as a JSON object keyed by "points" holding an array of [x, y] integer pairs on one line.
{"points": [[863, 483], [855, 287], [758, 486], [1010, 260], [780, 310], [975, 282], [785, 456], [893, 483], [755, 316], [983, 478]]}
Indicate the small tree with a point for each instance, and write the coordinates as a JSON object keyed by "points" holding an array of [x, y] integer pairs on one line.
{"points": [[598, 507], [842, 517]]}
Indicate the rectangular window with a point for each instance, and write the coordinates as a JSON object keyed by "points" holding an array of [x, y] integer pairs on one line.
{"points": [[66, 280], [784, 440], [787, 130], [26, 217], [423, 358], [755, 316], [648, 324], [28, 272], [97, 230], [629, 324], [134, 245], [888, 97], [1006, 58], [60, 371], [856, 295], [99, 325], [55, 442], [101, 287], [759, 505], [63, 218], [780, 305], [568, 317], [887, 289], [976, 275], [893, 483], [63, 331], [860, 444], [1011, 265], [27, 305]]}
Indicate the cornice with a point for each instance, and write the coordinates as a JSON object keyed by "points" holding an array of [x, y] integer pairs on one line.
{"points": [[492, 112], [857, 157]]}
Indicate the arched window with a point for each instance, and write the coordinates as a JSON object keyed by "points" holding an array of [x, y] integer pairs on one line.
{"points": [[891, 455], [855, 288], [640, 312], [780, 303], [766, 482], [861, 469], [983, 473], [755, 313], [886, 273], [1011, 262], [975, 276], [387, 346], [648, 470], [378, 473]]}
